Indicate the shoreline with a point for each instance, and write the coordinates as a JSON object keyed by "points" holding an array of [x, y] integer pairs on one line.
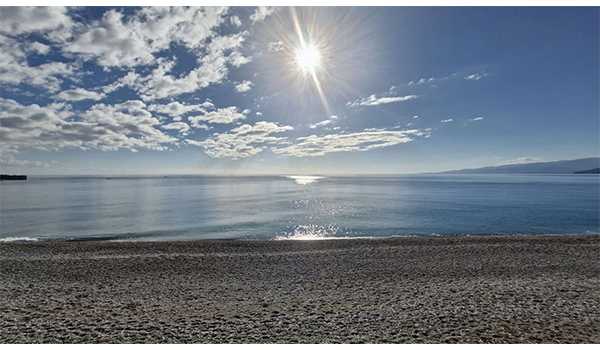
{"points": [[498, 289], [115, 239]]}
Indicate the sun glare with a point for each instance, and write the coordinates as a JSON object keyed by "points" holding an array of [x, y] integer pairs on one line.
{"points": [[308, 58]]}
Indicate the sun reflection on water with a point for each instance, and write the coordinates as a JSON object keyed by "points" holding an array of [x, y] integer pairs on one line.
{"points": [[304, 179], [311, 232]]}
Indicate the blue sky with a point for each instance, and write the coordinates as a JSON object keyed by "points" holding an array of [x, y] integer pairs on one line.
{"points": [[221, 90]]}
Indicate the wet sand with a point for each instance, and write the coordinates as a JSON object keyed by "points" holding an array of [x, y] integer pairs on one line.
{"points": [[402, 290]]}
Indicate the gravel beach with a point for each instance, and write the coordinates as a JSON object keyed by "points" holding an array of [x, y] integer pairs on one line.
{"points": [[523, 289]]}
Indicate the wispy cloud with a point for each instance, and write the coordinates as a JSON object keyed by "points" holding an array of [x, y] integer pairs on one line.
{"points": [[449, 120], [117, 40], [325, 122], [476, 76], [314, 145], [374, 100], [176, 108], [181, 127], [244, 141], [244, 86], [80, 94], [225, 115], [128, 125], [261, 13], [275, 46]]}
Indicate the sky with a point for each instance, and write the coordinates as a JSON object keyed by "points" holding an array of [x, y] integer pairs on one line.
{"points": [[310, 90]]}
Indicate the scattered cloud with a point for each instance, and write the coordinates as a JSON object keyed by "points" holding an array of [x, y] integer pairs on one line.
{"points": [[21, 20], [313, 145], [431, 80], [244, 141], [80, 94], [225, 115], [213, 69], [421, 81], [476, 119], [319, 124], [116, 41], [182, 127], [244, 86], [449, 120], [104, 127], [176, 109], [373, 100], [38, 48], [476, 76], [261, 13], [235, 21], [275, 46], [15, 69], [325, 122]]}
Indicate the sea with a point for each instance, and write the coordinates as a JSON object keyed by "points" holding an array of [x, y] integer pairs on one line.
{"points": [[296, 207]]}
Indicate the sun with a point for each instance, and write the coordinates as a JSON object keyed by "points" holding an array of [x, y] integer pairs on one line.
{"points": [[308, 58]]}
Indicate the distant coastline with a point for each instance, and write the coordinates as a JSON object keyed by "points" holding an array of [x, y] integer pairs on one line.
{"points": [[589, 165]]}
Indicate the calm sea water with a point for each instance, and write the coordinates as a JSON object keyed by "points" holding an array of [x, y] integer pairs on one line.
{"points": [[275, 207]]}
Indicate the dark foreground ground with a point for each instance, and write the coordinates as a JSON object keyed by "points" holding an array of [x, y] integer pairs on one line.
{"points": [[489, 289]]}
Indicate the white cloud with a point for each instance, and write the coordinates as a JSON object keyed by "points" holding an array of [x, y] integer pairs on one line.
{"points": [[261, 13], [422, 81], [79, 94], [235, 21], [128, 80], [225, 115], [19, 20], [477, 119], [313, 145], [237, 60], [325, 122], [244, 86], [449, 120], [213, 69], [244, 141], [275, 46], [15, 70], [176, 109], [182, 127], [319, 124], [416, 117], [373, 100], [116, 41], [124, 126], [119, 40], [476, 76], [39, 48]]}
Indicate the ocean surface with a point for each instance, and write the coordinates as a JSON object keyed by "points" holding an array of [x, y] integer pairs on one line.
{"points": [[302, 207]]}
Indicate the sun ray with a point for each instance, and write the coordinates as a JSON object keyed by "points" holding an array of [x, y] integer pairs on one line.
{"points": [[308, 58]]}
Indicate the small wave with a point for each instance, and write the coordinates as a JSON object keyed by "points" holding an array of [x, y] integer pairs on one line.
{"points": [[310, 232], [18, 239], [304, 179]]}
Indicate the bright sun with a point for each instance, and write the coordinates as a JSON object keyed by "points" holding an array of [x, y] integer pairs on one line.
{"points": [[308, 58]]}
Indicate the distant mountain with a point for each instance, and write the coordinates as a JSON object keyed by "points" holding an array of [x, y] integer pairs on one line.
{"points": [[556, 167], [591, 171]]}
